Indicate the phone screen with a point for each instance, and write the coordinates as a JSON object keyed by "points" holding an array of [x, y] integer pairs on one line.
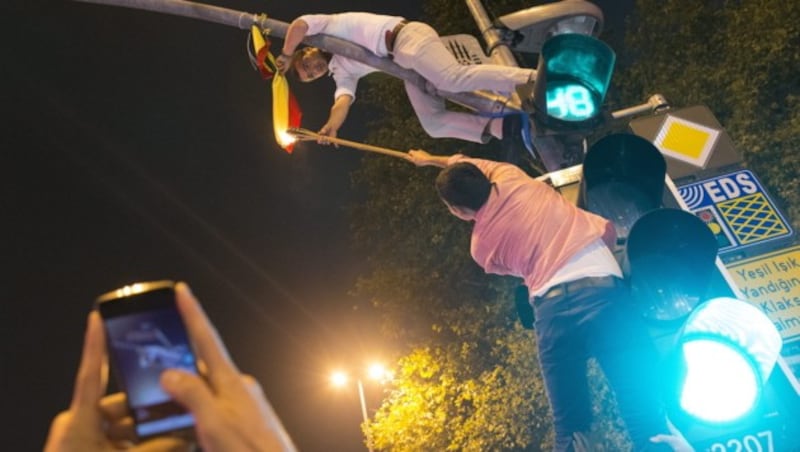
{"points": [[146, 336]]}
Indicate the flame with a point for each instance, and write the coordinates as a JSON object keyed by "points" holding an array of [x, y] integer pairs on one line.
{"points": [[285, 138]]}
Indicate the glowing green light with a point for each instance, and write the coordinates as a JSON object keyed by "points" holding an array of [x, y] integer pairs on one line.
{"points": [[570, 102], [720, 384], [729, 348]]}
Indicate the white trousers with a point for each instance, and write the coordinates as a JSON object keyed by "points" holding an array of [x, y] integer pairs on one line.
{"points": [[418, 47]]}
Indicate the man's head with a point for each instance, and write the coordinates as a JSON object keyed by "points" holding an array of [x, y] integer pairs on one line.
{"points": [[464, 188], [310, 63]]}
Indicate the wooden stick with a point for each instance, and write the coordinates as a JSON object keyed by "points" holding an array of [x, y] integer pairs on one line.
{"points": [[307, 135], [304, 134]]}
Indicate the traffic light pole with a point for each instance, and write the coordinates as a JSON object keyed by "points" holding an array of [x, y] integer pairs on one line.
{"points": [[497, 49], [481, 101]]}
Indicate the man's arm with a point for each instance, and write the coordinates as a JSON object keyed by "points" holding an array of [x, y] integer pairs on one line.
{"points": [[294, 36], [422, 158], [339, 110]]}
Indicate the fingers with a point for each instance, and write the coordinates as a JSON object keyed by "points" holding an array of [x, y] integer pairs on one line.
{"points": [[659, 439], [114, 406], [282, 62], [210, 348], [121, 431], [326, 131], [669, 440], [252, 386], [163, 444], [190, 391], [119, 423], [90, 384]]}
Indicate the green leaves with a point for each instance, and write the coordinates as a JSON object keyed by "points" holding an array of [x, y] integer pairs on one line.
{"points": [[468, 377], [742, 59]]}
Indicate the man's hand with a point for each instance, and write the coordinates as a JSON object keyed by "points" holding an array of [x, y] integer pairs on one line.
{"points": [[230, 410], [423, 158], [92, 422], [327, 131], [284, 63], [675, 439]]}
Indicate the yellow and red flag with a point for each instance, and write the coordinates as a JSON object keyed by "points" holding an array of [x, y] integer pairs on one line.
{"points": [[286, 111]]}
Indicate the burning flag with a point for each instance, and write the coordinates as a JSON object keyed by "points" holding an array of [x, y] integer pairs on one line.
{"points": [[286, 111]]}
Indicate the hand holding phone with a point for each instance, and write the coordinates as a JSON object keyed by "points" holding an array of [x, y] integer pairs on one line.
{"points": [[230, 409], [88, 425]]}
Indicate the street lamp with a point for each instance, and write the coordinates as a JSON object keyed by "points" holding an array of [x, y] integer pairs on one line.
{"points": [[375, 371]]}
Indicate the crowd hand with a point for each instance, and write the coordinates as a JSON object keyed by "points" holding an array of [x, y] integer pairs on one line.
{"points": [[327, 131], [230, 409], [283, 62], [93, 422], [675, 439]]}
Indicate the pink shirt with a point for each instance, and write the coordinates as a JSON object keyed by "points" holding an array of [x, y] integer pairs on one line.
{"points": [[526, 228]]}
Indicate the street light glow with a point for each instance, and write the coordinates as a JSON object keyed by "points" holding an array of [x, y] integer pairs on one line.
{"points": [[377, 371], [339, 378]]}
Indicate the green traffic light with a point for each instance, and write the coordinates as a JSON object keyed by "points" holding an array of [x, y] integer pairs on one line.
{"points": [[571, 102], [574, 72]]}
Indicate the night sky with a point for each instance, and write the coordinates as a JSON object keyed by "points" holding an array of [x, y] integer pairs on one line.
{"points": [[138, 146]]}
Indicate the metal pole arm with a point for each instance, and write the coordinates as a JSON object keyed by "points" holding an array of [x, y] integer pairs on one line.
{"points": [[479, 100], [209, 13], [654, 104]]}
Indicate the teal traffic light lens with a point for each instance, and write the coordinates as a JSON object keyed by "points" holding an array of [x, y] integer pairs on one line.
{"points": [[575, 71], [720, 385], [728, 349]]}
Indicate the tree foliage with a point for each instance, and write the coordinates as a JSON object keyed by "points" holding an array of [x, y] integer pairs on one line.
{"points": [[468, 377], [739, 57]]}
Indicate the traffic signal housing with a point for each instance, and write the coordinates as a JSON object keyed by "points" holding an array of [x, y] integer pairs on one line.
{"points": [[721, 349], [667, 254], [623, 178], [573, 75]]}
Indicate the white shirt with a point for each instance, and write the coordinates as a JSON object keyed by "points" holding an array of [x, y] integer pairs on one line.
{"points": [[594, 260], [365, 29]]}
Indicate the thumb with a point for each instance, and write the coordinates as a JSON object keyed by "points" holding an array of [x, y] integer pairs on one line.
{"points": [[188, 390]]}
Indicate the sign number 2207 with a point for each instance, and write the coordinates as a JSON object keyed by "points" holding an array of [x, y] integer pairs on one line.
{"points": [[760, 442]]}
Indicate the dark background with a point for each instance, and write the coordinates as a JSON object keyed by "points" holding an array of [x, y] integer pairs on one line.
{"points": [[138, 146]]}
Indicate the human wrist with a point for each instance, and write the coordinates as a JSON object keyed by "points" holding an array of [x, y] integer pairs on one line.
{"points": [[286, 54]]}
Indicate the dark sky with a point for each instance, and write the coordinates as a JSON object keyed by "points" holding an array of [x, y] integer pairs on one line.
{"points": [[138, 146]]}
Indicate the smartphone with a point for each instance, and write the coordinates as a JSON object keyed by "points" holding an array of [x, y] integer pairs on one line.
{"points": [[146, 335]]}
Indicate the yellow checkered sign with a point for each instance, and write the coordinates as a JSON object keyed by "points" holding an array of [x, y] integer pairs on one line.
{"points": [[686, 141], [737, 209]]}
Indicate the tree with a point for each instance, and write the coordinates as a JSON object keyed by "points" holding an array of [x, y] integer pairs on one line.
{"points": [[468, 378], [739, 57]]}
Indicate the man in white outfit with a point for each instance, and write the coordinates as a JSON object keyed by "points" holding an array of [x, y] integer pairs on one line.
{"points": [[412, 45]]}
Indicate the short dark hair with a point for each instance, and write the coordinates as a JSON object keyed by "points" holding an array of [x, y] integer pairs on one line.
{"points": [[463, 185]]}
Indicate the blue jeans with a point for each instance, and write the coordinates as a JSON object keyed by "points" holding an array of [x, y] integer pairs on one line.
{"points": [[599, 322]]}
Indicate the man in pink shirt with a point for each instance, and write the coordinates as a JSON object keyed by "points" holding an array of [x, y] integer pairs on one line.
{"points": [[524, 228]]}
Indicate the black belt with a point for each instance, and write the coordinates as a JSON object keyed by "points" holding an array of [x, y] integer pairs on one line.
{"points": [[391, 35], [563, 289]]}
